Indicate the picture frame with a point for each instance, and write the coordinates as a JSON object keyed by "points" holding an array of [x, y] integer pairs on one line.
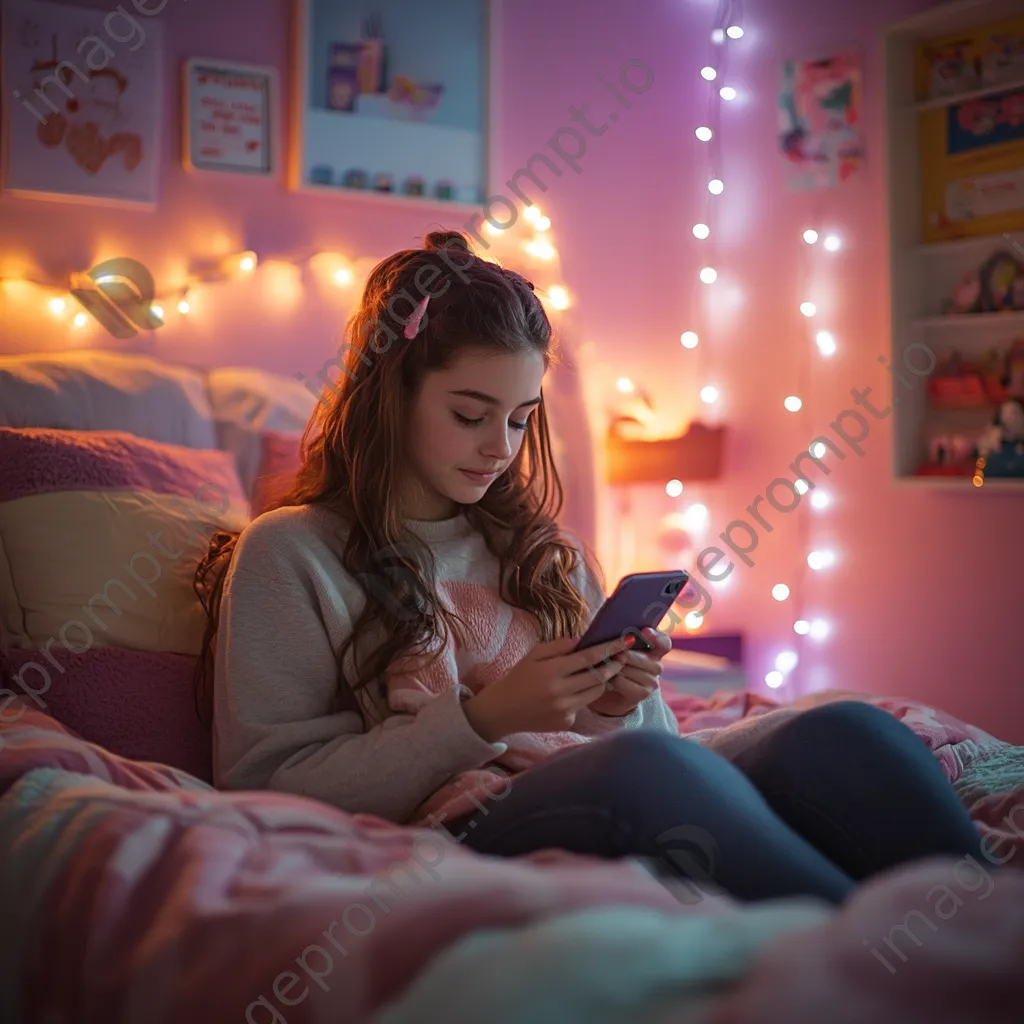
{"points": [[391, 103], [93, 135], [230, 117]]}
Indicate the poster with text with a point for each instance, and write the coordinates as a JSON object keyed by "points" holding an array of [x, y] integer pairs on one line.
{"points": [[820, 130], [83, 103], [230, 118]]}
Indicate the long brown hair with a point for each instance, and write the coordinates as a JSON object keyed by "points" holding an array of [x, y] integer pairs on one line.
{"points": [[352, 461]]}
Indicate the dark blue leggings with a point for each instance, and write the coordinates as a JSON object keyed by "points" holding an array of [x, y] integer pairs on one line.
{"points": [[829, 797]]}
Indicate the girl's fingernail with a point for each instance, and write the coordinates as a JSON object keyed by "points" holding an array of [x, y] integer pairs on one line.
{"points": [[630, 641]]}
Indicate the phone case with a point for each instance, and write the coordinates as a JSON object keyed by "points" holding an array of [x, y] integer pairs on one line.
{"points": [[641, 599]]}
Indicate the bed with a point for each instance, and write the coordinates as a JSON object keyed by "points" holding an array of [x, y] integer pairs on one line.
{"points": [[133, 891]]}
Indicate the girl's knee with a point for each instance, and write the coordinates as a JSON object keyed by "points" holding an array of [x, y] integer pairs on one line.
{"points": [[845, 721], [647, 749]]}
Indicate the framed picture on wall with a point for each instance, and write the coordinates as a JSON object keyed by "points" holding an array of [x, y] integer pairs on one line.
{"points": [[393, 100], [230, 117], [82, 104]]}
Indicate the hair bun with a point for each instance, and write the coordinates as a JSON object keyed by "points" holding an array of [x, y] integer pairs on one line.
{"points": [[446, 240]]}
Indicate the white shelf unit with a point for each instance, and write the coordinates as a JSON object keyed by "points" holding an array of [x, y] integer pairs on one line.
{"points": [[923, 275]]}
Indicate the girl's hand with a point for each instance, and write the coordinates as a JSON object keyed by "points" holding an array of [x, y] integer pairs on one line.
{"points": [[639, 678], [546, 690]]}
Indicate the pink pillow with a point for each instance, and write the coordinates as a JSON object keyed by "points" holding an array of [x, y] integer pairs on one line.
{"points": [[138, 705], [30, 739], [280, 461]]}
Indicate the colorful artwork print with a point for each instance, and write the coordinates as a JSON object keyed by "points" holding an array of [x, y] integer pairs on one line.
{"points": [[820, 130], [83, 115]]}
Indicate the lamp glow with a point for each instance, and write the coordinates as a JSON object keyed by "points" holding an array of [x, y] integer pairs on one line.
{"points": [[532, 214], [820, 500], [694, 620]]}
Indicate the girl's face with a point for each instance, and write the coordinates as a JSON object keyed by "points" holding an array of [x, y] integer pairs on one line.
{"points": [[466, 426]]}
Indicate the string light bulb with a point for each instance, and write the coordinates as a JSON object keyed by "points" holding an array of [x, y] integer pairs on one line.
{"points": [[688, 339], [717, 36], [80, 320], [708, 73], [801, 626], [801, 486], [820, 629], [833, 243], [184, 306], [709, 394], [532, 214], [826, 343], [695, 517], [780, 591], [625, 385], [542, 223], [157, 311], [540, 248], [819, 560], [674, 488], [810, 236], [793, 403], [821, 500], [734, 32], [716, 186], [786, 661], [818, 449], [774, 679], [728, 93], [701, 231], [709, 275], [693, 620], [558, 297], [704, 133], [57, 306]]}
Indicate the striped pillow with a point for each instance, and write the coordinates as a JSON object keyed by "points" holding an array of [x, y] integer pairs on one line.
{"points": [[100, 534]]}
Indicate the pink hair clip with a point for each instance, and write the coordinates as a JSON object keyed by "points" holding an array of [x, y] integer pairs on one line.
{"points": [[412, 328]]}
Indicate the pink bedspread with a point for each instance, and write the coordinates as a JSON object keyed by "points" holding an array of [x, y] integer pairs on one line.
{"points": [[138, 894]]}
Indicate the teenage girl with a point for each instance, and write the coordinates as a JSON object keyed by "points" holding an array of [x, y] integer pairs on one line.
{"points": [[397, 638]]}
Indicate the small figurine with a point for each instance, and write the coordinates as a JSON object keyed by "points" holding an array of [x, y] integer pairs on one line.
{"points": [[415, 186], [355, 178], [383, 183], [444, 190], [322, 174]]}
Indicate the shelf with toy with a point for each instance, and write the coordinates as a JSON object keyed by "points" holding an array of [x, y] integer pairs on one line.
{"points": [[964, 97]]}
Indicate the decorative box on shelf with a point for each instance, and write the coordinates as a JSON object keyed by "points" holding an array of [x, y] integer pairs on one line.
{"points": [[693, 455]]}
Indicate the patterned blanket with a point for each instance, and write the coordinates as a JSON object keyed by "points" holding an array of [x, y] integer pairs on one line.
{"points": [[134, 893]]}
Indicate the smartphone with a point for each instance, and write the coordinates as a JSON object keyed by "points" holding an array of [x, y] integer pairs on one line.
{"points": [[640, 599]]}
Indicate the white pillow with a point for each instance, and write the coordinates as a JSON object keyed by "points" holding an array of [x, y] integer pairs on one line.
{"points": [[99, 390], [247, 403]]}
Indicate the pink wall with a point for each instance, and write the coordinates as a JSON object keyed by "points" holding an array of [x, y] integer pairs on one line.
{"points": [[922, 597]]}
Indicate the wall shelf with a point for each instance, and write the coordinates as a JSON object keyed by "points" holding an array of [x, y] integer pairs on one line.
{"points": [[925, 275]]}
